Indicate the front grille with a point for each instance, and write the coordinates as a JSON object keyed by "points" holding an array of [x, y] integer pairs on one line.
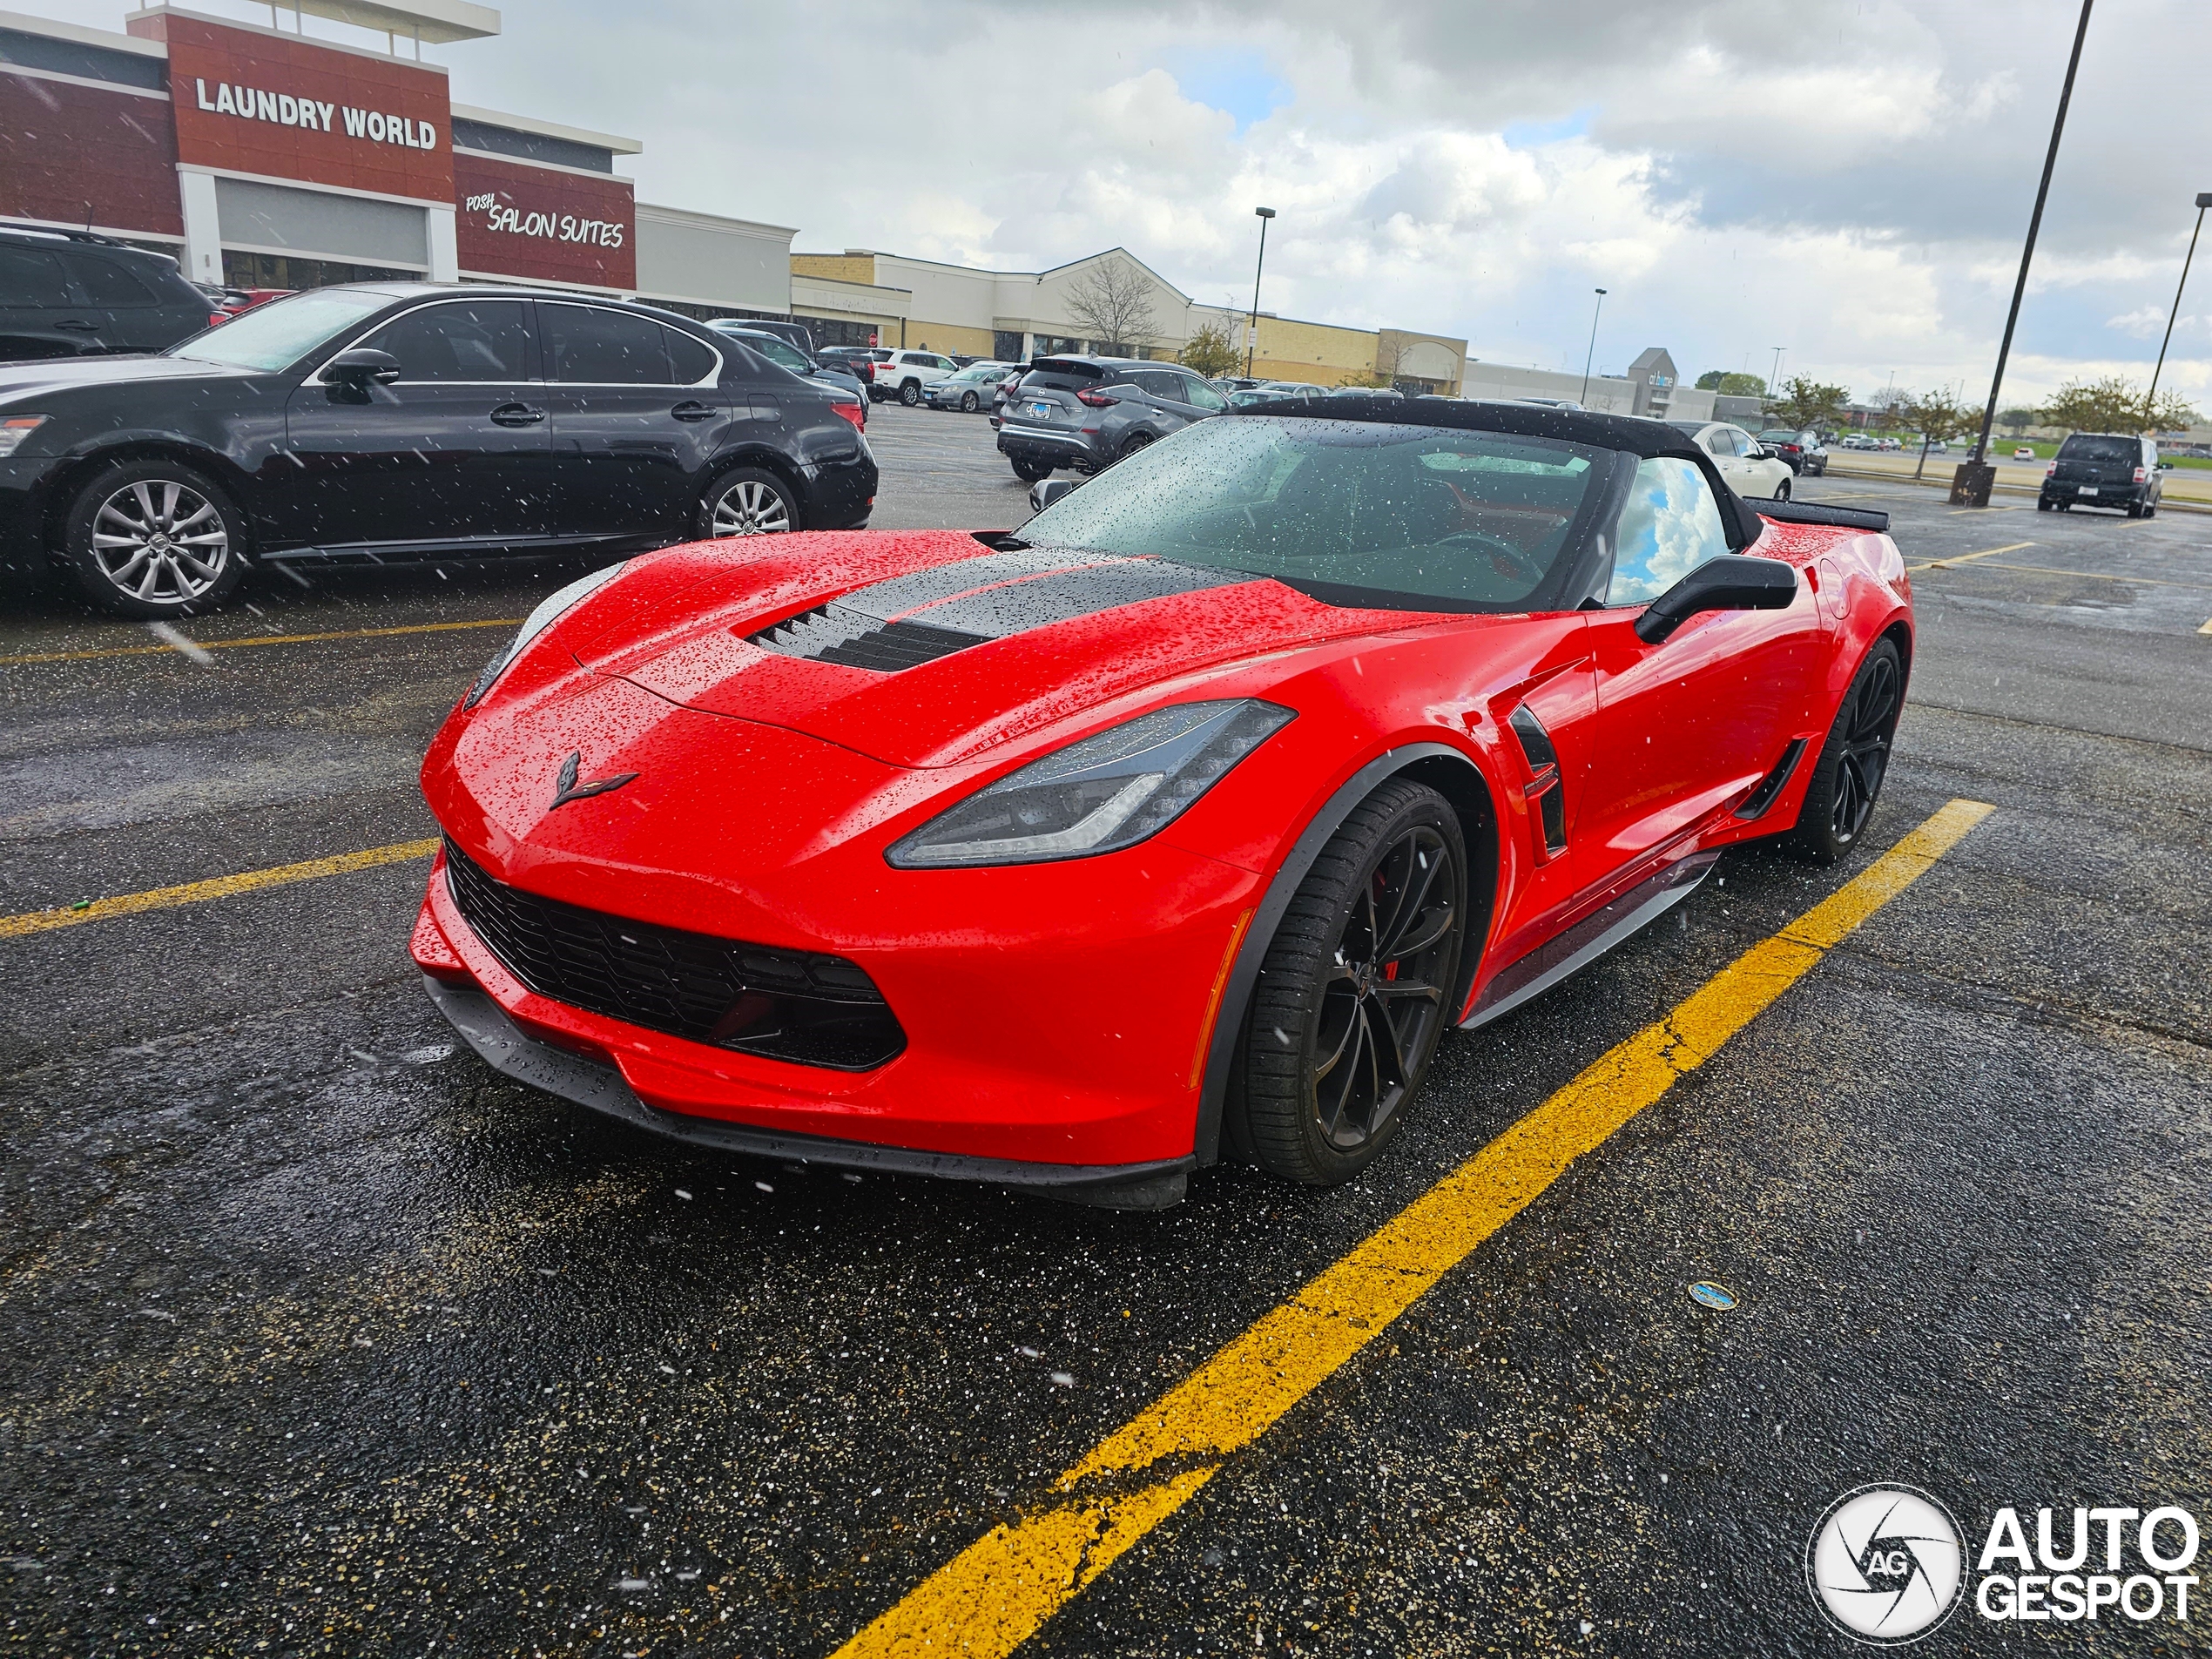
{"points": [[792, 1005]]}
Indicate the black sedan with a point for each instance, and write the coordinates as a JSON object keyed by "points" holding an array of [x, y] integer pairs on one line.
{"points": [[1801, 449], [402, 421]]}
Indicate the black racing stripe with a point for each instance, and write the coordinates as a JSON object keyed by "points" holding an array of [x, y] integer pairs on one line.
{"points": [[915, 619]]}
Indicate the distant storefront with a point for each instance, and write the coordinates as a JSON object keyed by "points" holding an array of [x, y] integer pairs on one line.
{"points": [[263, 158]]}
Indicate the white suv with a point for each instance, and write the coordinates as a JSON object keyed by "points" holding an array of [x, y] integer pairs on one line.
{"points": [[903, 374]]}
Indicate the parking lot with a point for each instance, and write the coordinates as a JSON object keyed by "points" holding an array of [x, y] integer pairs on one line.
{"points": [[318, 1337]]}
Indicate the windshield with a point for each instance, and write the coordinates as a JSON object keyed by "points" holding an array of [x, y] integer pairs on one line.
{"points": [[279, 333], [1408, 518]]}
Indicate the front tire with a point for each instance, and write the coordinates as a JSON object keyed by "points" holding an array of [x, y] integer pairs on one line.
{"points": [[746, 501], [1782, 490], [1356, 989], [152, 539], [967, 403], [1847, 779]]}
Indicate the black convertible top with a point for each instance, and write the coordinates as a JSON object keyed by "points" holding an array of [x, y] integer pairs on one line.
{"points": [[1630, 433]]}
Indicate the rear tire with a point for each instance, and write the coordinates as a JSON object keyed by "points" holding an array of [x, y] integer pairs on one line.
{"points": [[910, 392], [1137, 441], [152, 539], [746, 501], [1355, 992], [1031, 471], [1847, 779]]}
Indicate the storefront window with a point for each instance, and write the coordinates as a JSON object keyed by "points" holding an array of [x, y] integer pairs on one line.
{"points": [[290, 270]]}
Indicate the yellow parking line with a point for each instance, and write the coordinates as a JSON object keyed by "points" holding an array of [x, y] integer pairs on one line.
{"points": [[257, 639], [989, 1599], [222, 886], [1966, 559], [2207, 629], [2106, 576]]}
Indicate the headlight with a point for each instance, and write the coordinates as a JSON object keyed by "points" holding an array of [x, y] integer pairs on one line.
{"points": [[1104, 793], [536, 624], [15, 428]]}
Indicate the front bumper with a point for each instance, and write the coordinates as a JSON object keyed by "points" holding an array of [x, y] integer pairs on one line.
{"points": [[513, 1052]]}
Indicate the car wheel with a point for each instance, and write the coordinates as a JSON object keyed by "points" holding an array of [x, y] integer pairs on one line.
{"points": [[910, 392], [2042, 505], [1847, 779], [1029, 471], [745, 501], [967, 403], [1782, 490], [152, 539], [1356, 989], [1137, 441]]}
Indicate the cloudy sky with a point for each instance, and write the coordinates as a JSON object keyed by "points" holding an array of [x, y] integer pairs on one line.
{"points": [[1849, 179]]}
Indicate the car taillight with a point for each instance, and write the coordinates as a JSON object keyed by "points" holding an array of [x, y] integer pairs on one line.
{"points": [[2141, 474], [217, 319], [854, 413], [1096, 400], [2051, 470]]}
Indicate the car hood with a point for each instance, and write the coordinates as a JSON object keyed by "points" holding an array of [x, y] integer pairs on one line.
{"points": [[926, 649], [22, 382]]}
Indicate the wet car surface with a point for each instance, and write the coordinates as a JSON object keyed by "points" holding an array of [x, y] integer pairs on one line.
{"points": [[323, 1335]]}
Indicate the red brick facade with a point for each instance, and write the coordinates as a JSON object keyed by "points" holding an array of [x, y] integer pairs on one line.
{"points": [[524, 221], [73, 154]]}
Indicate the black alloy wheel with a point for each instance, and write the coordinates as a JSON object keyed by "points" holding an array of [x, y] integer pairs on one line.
{"points": [[745, 501], [150, 539], [1137, 441], [1029, 471], [910, 392], [1847, 779], [967, 403], [1355, 992]]}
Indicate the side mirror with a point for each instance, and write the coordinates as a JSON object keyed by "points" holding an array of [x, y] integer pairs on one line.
{"points": [[361, 366], [1046, 491], [1732, 582]]}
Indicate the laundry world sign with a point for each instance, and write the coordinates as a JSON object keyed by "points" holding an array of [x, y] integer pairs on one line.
{"points": [[284, 109]]}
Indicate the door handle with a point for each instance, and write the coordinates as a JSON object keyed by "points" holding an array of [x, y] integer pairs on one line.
{"points": [[88, 327], [692, 409], [517, 414]]}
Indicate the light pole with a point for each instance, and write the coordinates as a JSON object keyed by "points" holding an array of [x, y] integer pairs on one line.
{"points": [[1251, 335], [1775, 384], [1971, 488], [2150, 398], [1591, 355]]}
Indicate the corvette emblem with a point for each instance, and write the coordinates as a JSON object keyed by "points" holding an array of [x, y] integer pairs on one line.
{"points": [[570, 790]]}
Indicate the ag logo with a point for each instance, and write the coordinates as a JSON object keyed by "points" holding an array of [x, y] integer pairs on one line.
{"points": [[1886, 1564]]}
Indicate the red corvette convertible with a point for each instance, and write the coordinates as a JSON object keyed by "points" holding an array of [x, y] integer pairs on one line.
{"points": [[1180, 824]]}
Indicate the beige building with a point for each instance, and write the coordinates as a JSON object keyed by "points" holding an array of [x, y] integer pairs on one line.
{"points": [[862, 296]]}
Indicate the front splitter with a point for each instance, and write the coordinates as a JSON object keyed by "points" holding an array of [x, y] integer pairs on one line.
{"points": [[509, 1050]]}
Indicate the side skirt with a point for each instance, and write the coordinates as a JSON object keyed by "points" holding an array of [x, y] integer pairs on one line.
{"points": [[507, 1048], [1590, 938]]}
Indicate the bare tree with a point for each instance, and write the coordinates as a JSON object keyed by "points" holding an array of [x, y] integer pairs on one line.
{"points": [[1112, 302]]}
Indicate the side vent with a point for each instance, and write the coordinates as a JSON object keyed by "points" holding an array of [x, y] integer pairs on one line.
{"points": [[1757, 803], [1545, 788]]}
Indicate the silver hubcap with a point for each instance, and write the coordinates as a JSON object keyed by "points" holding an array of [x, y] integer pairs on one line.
{"points": [[160, 541], [751, 507]]}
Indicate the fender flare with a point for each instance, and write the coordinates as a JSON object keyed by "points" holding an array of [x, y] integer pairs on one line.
{"points": [[1237, 995]]}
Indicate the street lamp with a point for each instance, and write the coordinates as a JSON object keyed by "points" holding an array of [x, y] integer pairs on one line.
{"points": [[2150, 398], [1775, 384], [1591, 355], [1251, 335], [1970, 485]]}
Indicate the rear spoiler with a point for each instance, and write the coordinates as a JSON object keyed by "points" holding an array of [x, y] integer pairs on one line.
{"points": [[1813, 512]]}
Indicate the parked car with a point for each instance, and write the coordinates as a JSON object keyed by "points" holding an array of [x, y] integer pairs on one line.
{"points": [[399, 420], [858, 360], [795, 334], [1799, 449], [2023, 452], [2103, 469], [1749, 470], [1145, 863], [903, 374], [784, 354], [232, 301], [72, 293], [1088, 412], [1247, 396], [969, 390], [1856, 441], [1887, 444]]}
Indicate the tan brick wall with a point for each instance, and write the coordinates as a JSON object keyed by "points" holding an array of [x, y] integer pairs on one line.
{"points": [[947, 338], [841, 268]]}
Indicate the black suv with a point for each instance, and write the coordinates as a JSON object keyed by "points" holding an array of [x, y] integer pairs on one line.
{"points": [[2103, 469], [398, 420], [1801, 449], [1087, 413], [70, 294]]}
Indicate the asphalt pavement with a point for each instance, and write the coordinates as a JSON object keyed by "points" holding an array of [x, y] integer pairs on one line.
{"points": [[317, 1336]]}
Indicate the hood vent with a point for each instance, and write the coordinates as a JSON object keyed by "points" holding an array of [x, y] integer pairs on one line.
{"points": [[915, 619]]}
